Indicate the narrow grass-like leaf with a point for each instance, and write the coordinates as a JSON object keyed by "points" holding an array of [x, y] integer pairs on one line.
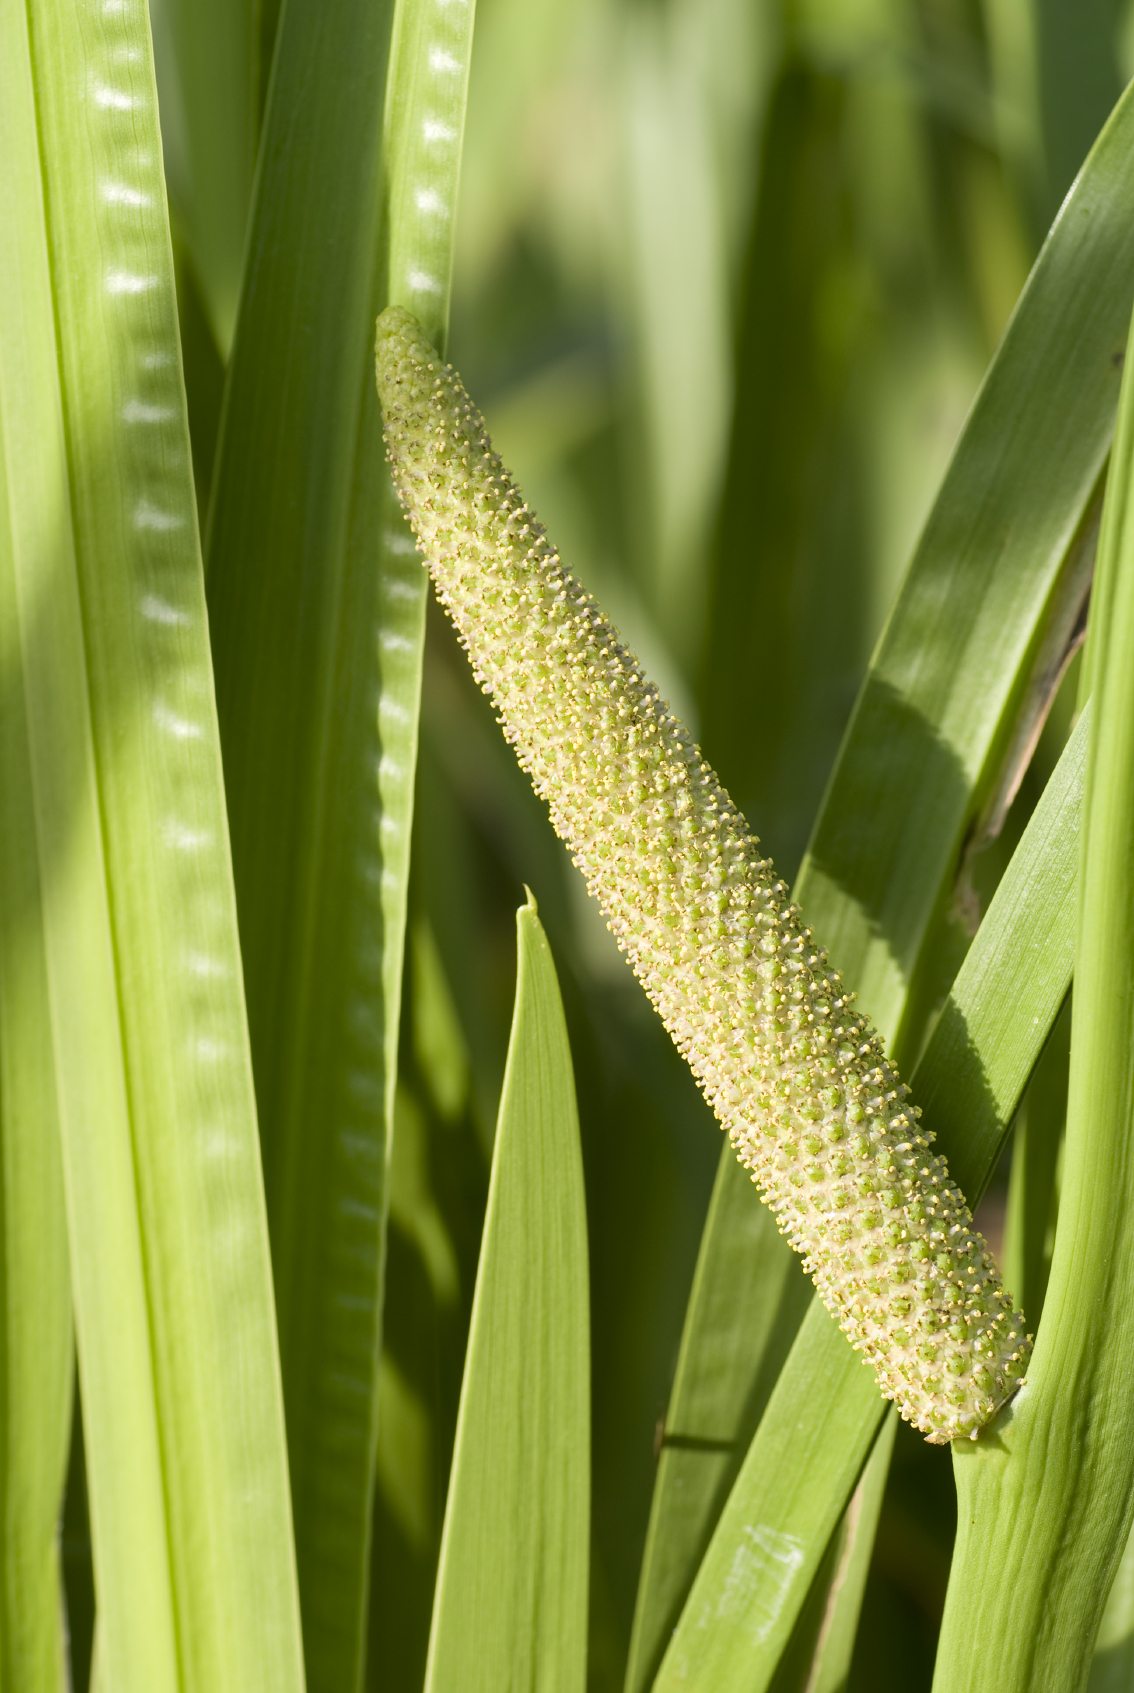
{"points": [[105, 643], [842, 1596], [295, 634], [511, 1605], [721, 1387], [317, 617], [952, 670], [823, 1415], [824, 1634], [1044, 1512], [35, 1313]]}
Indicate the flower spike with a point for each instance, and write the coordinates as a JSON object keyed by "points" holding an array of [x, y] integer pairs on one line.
{"points": [[811, 1104]]}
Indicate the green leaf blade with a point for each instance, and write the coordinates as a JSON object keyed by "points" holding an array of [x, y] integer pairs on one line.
{"points": [[1044, 1513], [35, 1325], [721, 1389], [35, 1322], [511, 1605], [125, 812], [833, 1639], [317, 609], [293, 619]]}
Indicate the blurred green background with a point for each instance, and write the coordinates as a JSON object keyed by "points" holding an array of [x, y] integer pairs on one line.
{"points": [[728, 274]]}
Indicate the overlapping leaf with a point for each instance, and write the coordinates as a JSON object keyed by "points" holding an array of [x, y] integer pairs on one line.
{"points": [[316, 605], [1045, 1511]]}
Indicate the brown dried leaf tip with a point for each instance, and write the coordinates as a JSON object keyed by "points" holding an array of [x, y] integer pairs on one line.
{"points": [[811, 1104]]}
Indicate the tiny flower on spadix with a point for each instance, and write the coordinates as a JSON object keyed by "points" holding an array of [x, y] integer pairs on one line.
{"points": [[811, 1104]]}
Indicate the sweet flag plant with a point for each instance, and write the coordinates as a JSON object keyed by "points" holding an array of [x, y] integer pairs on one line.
{"points": [[800, 1081]]}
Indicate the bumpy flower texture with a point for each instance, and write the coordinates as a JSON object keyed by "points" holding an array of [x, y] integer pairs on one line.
{"points": [[812, 1106]]}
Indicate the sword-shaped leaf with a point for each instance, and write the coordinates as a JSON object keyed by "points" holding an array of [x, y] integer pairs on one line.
{"points": [[120, 803], [511, 1603]]}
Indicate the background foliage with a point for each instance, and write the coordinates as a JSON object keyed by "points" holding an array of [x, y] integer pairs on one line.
{"points": [[726, 325], [725, 279]]}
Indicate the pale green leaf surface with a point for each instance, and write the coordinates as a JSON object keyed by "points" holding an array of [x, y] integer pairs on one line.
{"points": [[824, 1633], [834, 1646], [1044, 1511], [825, 1410], [35, 1318], [35, 1315], [511, 1603], [317, 603], [121, 805], [724, 1377], [953, 668]]}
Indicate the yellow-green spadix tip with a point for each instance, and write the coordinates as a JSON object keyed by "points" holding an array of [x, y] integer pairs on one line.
{"points": [[811, 1104]]}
